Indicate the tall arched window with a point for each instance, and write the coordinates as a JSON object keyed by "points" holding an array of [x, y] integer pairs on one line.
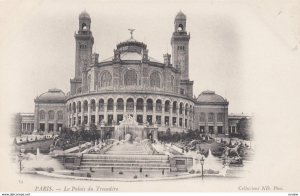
{"points": [[42, 115], [60, 115], [167, 106], [220, 117], [51, 115], [130, 78], [105, 79], [202, 117], [79, 106], [120, 104], [211, 117], [155, 79], [140, 104]]}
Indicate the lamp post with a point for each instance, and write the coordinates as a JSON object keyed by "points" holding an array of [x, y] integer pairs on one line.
{"points": [[202, 163], [21, 157], [101, 130]]}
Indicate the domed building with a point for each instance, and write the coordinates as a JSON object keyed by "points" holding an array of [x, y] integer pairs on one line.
{"points": [[131, 83], [49, 111]]}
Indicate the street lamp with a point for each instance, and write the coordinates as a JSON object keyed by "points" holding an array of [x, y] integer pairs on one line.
{"points": [[102, 130], [21, 157], [202, 163]]}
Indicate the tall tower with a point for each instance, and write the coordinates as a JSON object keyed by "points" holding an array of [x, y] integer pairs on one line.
{"points": [[180, 46], [84, 44]]}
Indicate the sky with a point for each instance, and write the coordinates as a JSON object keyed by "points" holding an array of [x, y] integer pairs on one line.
{"points": [[237, 48]]}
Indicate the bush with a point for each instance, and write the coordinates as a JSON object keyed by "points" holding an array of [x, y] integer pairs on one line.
{"points": [[50, 169], [88, 175], [192, 171], [146, 175], [120, 172], [135, 177]]}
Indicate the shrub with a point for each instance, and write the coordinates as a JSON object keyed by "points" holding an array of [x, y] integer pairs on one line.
{"points": [[50, 169], [135, 177], [146, 175], [88, 175], [120, 172], [192, 171]]}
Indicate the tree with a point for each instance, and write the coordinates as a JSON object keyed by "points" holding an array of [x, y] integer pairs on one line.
{"points": [[245, 129]]}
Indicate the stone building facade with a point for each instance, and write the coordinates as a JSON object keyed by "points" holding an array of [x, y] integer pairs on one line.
{"points": [[131, 83]]}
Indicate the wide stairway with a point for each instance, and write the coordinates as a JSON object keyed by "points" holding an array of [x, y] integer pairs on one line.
{"points": [[126, 157]]}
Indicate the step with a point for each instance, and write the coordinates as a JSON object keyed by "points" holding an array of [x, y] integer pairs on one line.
{"points": [[125, 161], [127, 164], [126, 168]]}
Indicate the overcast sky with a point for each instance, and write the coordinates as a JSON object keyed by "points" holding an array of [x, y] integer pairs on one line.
{"points": [[237, 49]]}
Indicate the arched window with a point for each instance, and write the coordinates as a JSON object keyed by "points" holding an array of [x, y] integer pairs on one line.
{"points": [[155, 80], [105, 79], [186, 109], [74, 107], [130, 78], [101, 105], [83, 26], [79, 106], [167, 106], [211, 117], [140, 104], [110, 104], [158, 106], [93, 105], [180, 108], [60, 115], [129, 104], [220, 117], [120, 104], [202, 117], [51, 115], [180, 27], [85, 106], [42, 115], [149, 105], [174, 107]]}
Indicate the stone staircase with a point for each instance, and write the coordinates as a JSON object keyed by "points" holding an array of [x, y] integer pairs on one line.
{"points": [[129, 149], [126, 157]]}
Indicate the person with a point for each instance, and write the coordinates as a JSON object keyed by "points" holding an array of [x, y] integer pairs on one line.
{"points": [[112, 169], [141, 170], [163, 172]]}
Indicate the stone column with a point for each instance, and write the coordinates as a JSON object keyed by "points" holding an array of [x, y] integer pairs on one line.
{"points": [[115, 112], [162, 114], [154, 113], [177, 121], [46, 121], [134, 109], [82, 114], [97, 113], [124, 108], [171, 116], [76, 116], [105, 111], [206, 124], [89, 114], [145, 113], [226, 120], [215, 123], [183, 120]]}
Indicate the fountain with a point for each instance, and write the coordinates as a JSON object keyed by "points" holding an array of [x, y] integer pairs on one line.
{"points": [[129, 127], [211, 164]]}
